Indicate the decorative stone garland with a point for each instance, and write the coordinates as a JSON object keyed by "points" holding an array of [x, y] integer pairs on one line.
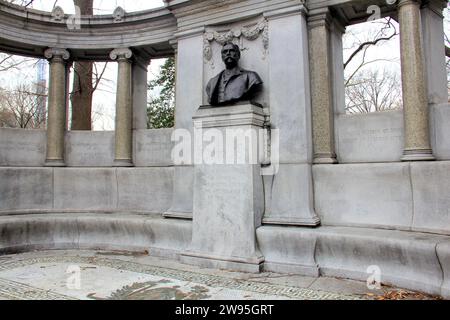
{"points": [[248, 33]]}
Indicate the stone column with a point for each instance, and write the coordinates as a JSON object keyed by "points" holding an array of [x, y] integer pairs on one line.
{"points": [[57, 93], [124, 108], [415, 96], [139, 85], [321, 89]]}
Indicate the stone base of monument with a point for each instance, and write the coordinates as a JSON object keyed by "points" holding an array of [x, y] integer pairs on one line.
{"points": [[228, 188], [254, 265]]}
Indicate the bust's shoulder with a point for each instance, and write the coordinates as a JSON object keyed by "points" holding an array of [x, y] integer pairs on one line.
{"points": [[252, 75]]}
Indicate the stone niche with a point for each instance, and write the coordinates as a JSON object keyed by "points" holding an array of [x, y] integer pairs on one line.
{"points": [[252, 38]]}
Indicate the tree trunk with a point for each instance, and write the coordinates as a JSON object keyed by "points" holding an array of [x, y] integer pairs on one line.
{"points": [[82, 90]]}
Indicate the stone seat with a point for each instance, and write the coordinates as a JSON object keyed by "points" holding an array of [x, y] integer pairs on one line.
{"points": [[412, 260], [134, 232]]}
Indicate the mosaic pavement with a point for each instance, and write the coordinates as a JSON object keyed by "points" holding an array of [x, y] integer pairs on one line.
{"points": [[69, 275]]}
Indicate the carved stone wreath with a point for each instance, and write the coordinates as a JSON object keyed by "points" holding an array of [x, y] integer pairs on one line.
{"points": [[249, 33]]}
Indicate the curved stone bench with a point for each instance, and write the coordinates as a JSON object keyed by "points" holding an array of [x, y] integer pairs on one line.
{"points": [[412, 260], [159, 236]]}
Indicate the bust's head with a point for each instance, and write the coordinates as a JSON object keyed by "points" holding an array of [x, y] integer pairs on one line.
{"points": [[231, 55]]}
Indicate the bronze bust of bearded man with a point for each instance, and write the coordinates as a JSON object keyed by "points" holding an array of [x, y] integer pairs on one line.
{"points": [[232, 84]]}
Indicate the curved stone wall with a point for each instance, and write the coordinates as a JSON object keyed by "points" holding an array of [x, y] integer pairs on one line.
{"points": [[158, 236]]}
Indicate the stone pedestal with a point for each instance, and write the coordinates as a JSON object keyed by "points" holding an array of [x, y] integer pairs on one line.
{"points": [[228, 188]]}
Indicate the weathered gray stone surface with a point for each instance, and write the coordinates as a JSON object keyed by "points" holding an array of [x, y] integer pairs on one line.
{"points": [[26, 148], [433, 32], [152, 148], [288, 85], [20, 147], [145, 189], [431, 194], [289, 196], [443, 252], [288, 250], [94, 231], [405, 259], [440, 131], [228, 198], [364, 194], [182, 195], [89, 148], [189, 88], [375, 137], [85, 189], [26, 188]]}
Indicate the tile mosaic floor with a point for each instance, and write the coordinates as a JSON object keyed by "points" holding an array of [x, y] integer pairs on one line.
{"points": [[87, 275]]}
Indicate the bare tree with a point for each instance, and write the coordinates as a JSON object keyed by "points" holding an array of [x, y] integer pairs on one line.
{"points": [[20, 107], [360, 47], [82, 91], [373, 91]]}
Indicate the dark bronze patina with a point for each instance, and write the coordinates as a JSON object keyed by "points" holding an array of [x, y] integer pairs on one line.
{"points": [[232, 84]]}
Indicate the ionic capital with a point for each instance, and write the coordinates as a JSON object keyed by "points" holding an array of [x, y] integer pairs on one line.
{"points": [[405, 2], [121, 54], [57, 54]]}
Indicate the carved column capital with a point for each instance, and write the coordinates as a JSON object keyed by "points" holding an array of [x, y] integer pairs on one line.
{"points": [[56, 54], [319, 18], [121, 54], [405, 2], [174, 45]]}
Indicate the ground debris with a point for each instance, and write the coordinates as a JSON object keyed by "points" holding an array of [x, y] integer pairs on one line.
{"points": [[399, 294]]}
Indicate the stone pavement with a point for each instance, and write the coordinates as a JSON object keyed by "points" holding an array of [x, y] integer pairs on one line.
{"points": [[91, 275]]}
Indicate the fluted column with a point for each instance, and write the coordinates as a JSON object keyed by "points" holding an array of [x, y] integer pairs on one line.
{"points": [[415, 96], [57, 94], [124, 108], [321, 88]]}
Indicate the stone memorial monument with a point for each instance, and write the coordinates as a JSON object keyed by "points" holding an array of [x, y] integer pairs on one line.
{"points": [[228, 192]]}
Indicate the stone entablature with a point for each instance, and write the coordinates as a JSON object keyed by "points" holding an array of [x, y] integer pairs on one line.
{"points": [[30, 32]]}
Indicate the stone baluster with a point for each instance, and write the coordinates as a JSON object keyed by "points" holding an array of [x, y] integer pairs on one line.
{"points": [[57, 105], [124, 108], [415, 96], [321, 88]]}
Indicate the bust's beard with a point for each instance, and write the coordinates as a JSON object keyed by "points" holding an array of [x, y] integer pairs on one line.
{"points": [[231, 64]]}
